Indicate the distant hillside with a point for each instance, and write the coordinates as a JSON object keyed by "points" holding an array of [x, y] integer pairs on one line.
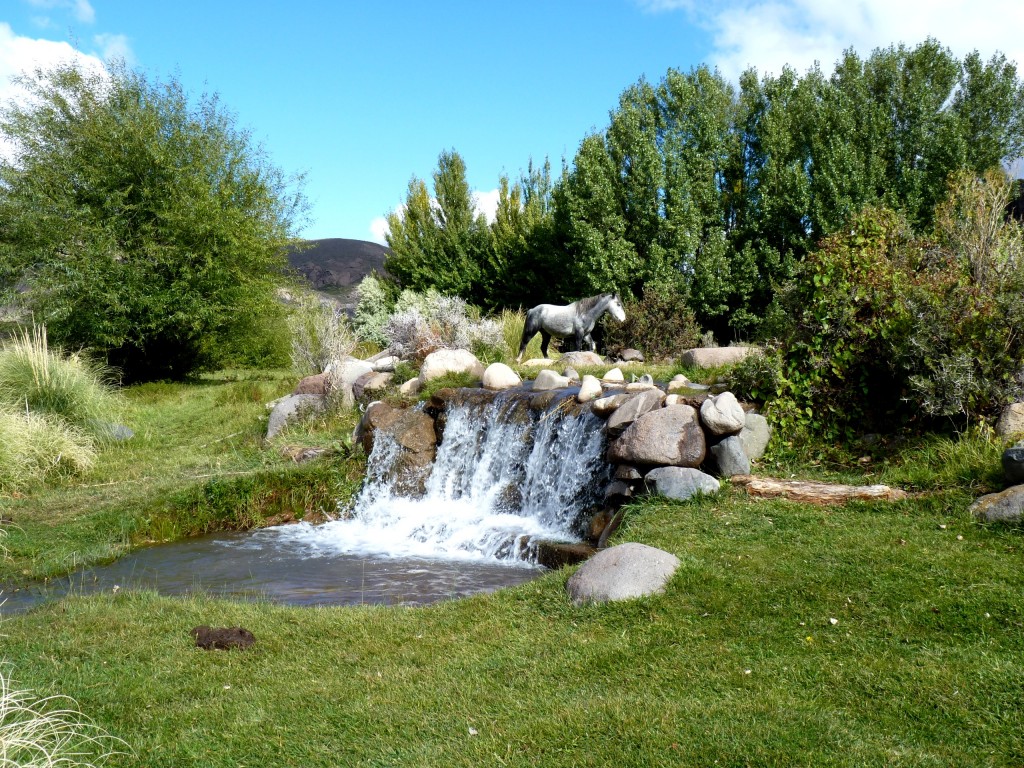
{"points": [[335, 265]]}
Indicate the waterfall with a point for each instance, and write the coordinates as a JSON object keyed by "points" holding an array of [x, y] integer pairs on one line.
{"points": [[505, 476]]}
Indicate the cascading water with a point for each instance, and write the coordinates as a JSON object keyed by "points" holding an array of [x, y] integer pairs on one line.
{"points": [[505, 477]]}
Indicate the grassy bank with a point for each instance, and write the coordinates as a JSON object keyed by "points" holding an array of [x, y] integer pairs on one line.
{"points": [[868, 634]]}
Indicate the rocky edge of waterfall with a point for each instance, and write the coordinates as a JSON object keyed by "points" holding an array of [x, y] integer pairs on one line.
{"points": [[674, 438]]}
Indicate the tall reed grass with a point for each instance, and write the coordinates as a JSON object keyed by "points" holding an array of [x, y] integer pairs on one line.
{"points": [[41, 380], [45, 732], [35, 447]]}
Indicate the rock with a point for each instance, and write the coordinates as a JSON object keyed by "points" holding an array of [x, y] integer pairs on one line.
{"points": [[411, 387], [499, 376], [622, 572], [605, 406], [1011, 420], [644, 382], [617, 493], [1004, 507], [413, 431], [376, 416], [291, 407], [755, 435], [730, 457], [312, 385], [547, 380], [445, 361], [343, 374], [630, 355], [673, 400], [1013, 464], [598, 523], [614, 376], [590, 389], [713, 357], [371, 383], [581, 359], [222, 638], [722, 414], [631, 410], [679, 382], [680, 482], [385, 364], [538, 362], [107, 430], [627, 472], [665, 436], [558, 554], [571, 374]]}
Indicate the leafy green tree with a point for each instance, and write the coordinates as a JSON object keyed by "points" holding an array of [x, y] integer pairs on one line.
{"points": [[439, 242], [144, 226]]}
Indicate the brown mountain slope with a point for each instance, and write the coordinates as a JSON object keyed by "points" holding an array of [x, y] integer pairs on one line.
{"points": [[336, 262]]}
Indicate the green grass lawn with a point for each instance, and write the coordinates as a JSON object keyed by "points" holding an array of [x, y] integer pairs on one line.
{"points": [[867, 634]]}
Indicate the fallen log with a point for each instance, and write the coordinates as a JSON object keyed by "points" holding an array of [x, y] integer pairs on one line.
{"points": [[811, 492]]}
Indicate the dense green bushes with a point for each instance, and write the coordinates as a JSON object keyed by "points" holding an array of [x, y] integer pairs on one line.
{"points": [[886, 327]]}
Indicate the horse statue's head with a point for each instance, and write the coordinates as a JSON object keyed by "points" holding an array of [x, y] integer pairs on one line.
{"points": [[616, 308]]}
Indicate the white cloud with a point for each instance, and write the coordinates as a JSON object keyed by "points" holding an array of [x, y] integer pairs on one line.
{"points": [[485, 203], [114, 47], [23, 54], [379, 229], [770, 33], [82, 9]]}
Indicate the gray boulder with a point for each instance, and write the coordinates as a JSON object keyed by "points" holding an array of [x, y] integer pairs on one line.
{"points": [[666, 436], [1004, 507], [730, 457], [722, 414], [581, 359], [755, 435], [605, 406], [590, 389], [445, 361], [713, 357], [680, 482], [1011, 420], [623, 572], [291, 408], [631, 410], [499, 376], [343, 374], [547, 380], [1013, 464]]}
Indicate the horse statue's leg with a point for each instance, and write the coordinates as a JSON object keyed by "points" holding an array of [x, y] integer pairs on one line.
{"points": [[545, 337], [529, 331]]}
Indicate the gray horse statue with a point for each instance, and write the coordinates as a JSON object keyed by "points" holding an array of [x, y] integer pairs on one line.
{"points": [[577, 319]]}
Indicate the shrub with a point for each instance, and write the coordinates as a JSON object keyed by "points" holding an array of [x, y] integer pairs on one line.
{"points": [[660, 324], [320, 334], [425, 322], [376, 304], [34, 447], [44, 381]]}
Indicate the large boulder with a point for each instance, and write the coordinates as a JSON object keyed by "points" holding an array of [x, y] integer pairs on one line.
{"points": [[581, 359], [413, 431], [680, 482], [622, 572], [755, 435], [666, 436], [1013, 464], [499, 376], [1011, 420], [590, 389], [445, 361], [343, 374], [547, 380], [631, 410], [714, 357], [291, 408], [730, 458], [722, 414], [370, 384], [1004, 507], [312, 385]]}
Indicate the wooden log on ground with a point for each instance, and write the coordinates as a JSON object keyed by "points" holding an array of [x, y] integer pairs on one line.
{"points": [[810, 492]]}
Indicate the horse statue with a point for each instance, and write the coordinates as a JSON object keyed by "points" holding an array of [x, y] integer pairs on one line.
{"points": [[577, 319]]}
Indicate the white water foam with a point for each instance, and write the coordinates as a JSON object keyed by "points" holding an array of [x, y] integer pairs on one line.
{"points": [[504, 477]]}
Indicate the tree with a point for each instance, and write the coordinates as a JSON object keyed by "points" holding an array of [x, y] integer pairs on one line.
{"points": [[439, 242], [144, 226]]}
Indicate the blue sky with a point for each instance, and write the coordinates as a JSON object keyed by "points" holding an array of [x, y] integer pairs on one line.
{"points": [[361, 96]]}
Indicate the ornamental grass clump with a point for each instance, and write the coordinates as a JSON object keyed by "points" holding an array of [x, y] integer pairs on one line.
{"points": [[43, 732], [41, 380], [38, 446]]}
